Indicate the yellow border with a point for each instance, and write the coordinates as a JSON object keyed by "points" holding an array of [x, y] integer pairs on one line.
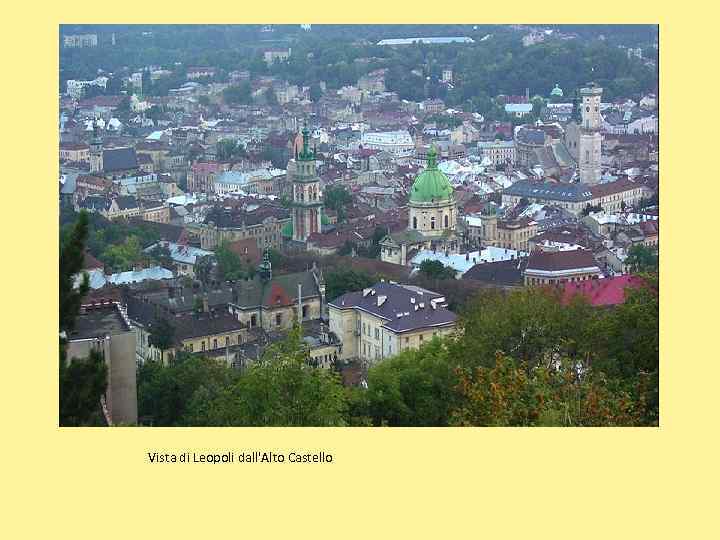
{"points": [[400, 483]]}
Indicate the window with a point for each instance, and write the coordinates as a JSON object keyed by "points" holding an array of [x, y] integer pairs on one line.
{"points": [[202, 345], [305, 312], [364, 330], [278, 319], [190, 347], [421, 338], [432, 222], [447, 222], [253, 321], [214, 343], [407, 340], [377, 333], [414, 222], [227, 341]]}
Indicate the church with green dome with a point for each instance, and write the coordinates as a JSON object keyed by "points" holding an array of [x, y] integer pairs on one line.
{"points": [[432, 217]]}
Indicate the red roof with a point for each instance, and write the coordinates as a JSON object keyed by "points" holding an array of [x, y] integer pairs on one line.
{"points": [[602, 292]]}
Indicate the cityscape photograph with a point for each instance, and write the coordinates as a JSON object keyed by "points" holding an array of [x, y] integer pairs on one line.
{"points": [[448, 225]]}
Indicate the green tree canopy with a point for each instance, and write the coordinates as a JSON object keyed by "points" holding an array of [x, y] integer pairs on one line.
{"points": [[238, 95], [436, 270], [642, 259]]}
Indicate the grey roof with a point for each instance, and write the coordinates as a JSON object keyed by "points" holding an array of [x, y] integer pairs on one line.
{"points": [[550, 191], [500, 273], [404, 307], [68, 188], [119, 159], [531, 136], [98, 322], [181, 253]]}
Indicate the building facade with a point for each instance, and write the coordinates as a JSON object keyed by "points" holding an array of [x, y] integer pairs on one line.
{"points": [[307, 202], [590, 143], [432, 217], [386, 319]]}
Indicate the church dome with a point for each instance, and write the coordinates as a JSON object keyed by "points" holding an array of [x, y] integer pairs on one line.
{"points": [[557, 91], [431, 185]]}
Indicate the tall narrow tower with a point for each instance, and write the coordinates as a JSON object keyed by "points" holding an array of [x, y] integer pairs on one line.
{"points": [[590, 137], [307, 195], [96, 150]]}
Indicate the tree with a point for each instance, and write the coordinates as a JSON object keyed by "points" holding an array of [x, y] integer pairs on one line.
{"points": [[348, 248], [277, 259], [72, 254], [162, 334], [161, 255], [82, 381], [436, 270], [527, 324], [315, 92], [122, 257], [507, 395], [146, 83], [165, 393], [337, 198], [205, 269], [642, 259], [229, 149], [229, 264], [414, 388], [281, 389], [342, 280], [238, 95], [270, 97]]}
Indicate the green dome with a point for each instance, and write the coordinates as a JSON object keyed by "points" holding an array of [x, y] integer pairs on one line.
{"points": [[431, 185], [557, 91]]}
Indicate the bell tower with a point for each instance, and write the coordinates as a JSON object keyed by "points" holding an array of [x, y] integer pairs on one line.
{"points": [[96, 150], [307, 195], [589, 147]]}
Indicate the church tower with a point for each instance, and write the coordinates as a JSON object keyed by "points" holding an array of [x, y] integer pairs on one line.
{"points": [[590, 143], [96, 151], [307, 196]]}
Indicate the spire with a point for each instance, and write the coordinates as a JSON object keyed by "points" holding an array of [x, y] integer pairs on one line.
{"points": [[306, 154], [432, 158], [266, 267]]}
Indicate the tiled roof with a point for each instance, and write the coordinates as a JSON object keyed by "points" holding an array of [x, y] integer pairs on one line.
{"points": [[403, 307], [119, 159], [602, 292], [554, 261], [550, 191], [619, 186]]}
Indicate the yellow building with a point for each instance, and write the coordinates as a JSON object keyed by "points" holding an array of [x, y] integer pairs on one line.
{"points": [[388, 318]]}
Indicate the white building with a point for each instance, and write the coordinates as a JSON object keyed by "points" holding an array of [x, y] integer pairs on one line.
{"points": [[76, 89], [78, 41], [397, 143], [498, 152], [518, 110]]}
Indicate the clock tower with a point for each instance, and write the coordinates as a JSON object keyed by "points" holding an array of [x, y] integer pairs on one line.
{"points": [[307, 195], [589, 146]]}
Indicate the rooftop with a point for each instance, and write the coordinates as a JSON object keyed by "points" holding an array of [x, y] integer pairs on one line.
{"points": [[403, 307], [98, 321]]}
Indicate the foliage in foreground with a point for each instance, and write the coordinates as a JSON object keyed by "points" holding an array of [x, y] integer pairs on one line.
{"points": [[519, 359]]}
